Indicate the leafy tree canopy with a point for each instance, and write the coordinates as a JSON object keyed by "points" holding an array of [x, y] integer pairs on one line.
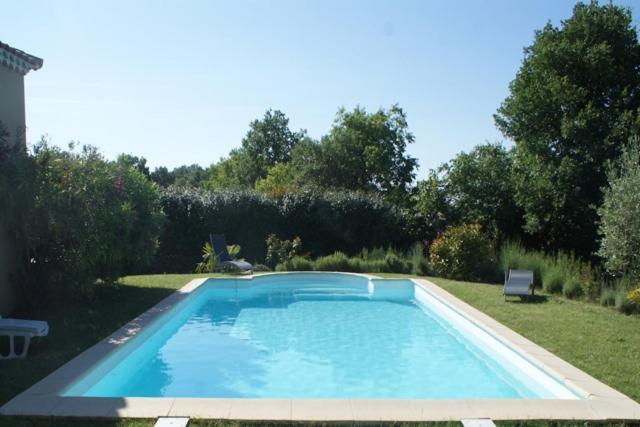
{"points": [[269, 141], [573, 104], [479, 187], [620, 213], [364, 151]]}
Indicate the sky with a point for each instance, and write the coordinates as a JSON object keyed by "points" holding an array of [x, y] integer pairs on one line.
{"points": [[178, 82]]}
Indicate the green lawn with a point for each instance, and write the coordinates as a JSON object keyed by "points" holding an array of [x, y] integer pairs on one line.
{"points": [[598, 340]]}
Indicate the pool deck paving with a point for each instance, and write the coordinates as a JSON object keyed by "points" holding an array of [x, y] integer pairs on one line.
{"points": [[598, 402]]}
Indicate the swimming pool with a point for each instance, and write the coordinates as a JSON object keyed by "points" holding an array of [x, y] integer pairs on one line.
{"points": [[316, 336]]}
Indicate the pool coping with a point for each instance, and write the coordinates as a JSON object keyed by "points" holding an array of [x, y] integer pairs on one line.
{"points": [[600, 402]]}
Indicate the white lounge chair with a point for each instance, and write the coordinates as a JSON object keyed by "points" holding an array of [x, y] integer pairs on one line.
{"points": [[27, 329]]}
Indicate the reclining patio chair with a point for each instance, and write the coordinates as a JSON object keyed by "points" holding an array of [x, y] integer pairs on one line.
{"points": [[518, 283], [26, 329], [219, 247]]}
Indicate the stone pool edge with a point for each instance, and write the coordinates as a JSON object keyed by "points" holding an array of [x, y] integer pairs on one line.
{"points": [[600, 402]]}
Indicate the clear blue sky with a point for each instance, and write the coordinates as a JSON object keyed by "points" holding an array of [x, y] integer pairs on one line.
{"points": [[179, 82]]}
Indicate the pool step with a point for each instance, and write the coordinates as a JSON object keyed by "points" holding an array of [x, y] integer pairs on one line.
{"points": [[478, 422], [172, 422]]}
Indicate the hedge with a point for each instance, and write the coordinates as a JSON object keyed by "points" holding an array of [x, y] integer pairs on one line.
{"points": [[326, 222]]}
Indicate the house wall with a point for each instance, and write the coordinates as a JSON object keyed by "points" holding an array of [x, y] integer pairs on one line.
{"points": [[12, 115], [12, 103]]}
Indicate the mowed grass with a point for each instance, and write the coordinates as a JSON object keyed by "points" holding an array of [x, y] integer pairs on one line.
{"points": [[598, 340]]}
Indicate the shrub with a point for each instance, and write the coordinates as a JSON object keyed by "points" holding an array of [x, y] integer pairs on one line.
{"points": [[323, 220], [417, 260], [591, 281], [296, 263], [260, 268], [337, 261], [208, 263], [572, 288], [554, 279], [282, 250], [92, 219], [634, 296], [395, 264], [608, 297], [462, 252]]}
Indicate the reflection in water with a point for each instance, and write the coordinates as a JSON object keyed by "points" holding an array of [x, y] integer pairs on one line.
{"points": [[307, 345]]}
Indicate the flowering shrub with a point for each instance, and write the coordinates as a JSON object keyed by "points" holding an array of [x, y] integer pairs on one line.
{"points": [[463, 253]]}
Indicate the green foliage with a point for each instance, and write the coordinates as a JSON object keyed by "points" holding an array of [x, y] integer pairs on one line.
{"points": [[462, 252], [431, 209], [362, 152], [591, 281], [208, 263], [297, 263], [620, 216], [514, 256], [138, 163], [378, 260], [572, 288], [210, 258], [280, 179], [417, 260], [279, 251], [162, 176], [228, 174], [191, 176], [92, 219], [16, 202], [572, 106], [269, 142], [323, 220], [554, 279], [480, 190], [568, 275], [337, 261]]}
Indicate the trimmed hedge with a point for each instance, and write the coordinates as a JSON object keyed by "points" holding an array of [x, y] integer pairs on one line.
{"points": [[326, 221]]}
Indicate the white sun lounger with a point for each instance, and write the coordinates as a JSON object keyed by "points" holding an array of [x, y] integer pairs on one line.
{"points": [[27, 329]]}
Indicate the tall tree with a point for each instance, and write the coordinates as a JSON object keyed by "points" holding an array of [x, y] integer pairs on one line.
{"points": [[573, 104], [368, 152], [162, 176], [188, 176], [269, 141], [479, 187]]}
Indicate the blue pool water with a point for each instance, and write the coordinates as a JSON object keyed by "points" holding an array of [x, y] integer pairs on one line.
{"points": [[305, 336]]}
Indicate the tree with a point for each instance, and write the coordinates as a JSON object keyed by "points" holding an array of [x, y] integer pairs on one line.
{"points": [[229, 173], [572, 106], [432, 211], [162, 176], [368, 152], [620, 215], [269, 141], [139, 163], [480, 190], [189, 176], [281, 179]]}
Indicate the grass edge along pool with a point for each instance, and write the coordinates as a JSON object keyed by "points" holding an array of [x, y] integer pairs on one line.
{"points": [[132, 371]]}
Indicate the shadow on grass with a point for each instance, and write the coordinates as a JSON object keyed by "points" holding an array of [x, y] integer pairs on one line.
{"points": [[533, 299], [73, 327]]}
